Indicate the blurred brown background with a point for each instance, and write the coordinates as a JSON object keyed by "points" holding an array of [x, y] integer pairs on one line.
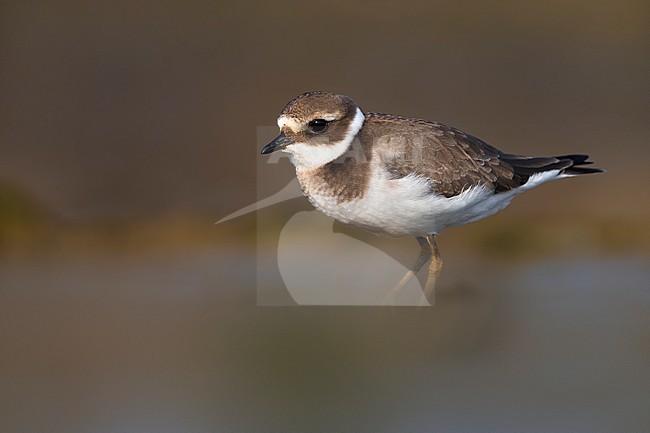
{"points": [[128, 128]]}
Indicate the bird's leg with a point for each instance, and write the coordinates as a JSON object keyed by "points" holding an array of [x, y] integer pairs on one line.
{"points": [[425, 255], [435, 267]]}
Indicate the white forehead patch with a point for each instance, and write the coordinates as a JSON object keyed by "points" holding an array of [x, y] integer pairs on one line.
{"points": [[291, 123]]}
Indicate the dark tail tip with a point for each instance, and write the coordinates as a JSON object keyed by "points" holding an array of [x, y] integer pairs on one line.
{"points": [[576, 162], [583, 170]]}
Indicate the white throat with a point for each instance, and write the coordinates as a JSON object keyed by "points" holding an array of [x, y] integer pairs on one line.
{"points": [[306, 156]]}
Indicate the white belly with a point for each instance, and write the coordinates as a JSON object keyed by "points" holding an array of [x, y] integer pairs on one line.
{"points": [[406, 207]]}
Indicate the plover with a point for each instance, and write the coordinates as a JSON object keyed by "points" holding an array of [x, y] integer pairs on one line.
{"points": [[401, 176]]}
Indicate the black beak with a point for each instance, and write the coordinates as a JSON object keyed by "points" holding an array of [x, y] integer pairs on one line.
{"points": [[278, 143]]}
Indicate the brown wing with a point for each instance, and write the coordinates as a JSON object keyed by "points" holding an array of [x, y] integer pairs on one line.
{"points": [[454, 161]]}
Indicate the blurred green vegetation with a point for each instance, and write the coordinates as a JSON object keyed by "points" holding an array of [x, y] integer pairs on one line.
{"points": [[27, 227], [511, 238], [23, 224]]}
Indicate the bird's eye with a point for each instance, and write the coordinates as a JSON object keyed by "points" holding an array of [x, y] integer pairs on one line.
{"points": [[318, 125]]}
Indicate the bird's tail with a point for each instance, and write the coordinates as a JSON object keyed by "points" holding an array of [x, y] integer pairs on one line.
{"points": [[577, 161], [571, 165]]}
